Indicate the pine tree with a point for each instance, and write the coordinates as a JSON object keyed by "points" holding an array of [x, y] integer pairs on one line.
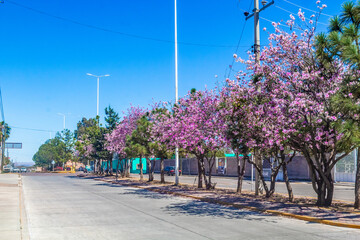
{"points": [[343, 41]]}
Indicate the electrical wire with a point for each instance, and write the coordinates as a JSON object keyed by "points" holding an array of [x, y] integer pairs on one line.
{"points": [[296, 14], [117, 32], [268, 20], [33, 129], [306, 8], [237, 47]]}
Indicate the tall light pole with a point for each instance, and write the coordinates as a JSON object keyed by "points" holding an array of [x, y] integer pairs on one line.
{"points": [[176, 94], [64, 115], [98, 86]]}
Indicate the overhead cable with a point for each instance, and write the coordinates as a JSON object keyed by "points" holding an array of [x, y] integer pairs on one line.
{"points": [[296, 14], [117, 32], [306, 8]]}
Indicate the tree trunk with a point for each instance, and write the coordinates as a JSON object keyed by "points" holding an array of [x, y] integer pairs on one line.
{"points": [[325, 191], [128, 164], [258, 162], [149, 167], [108, 167], [153, 163], [111, 166], [162, 180], [199, 174], [322, 180], [141, 169], [211, 165], [202, 167], [274, 173], [117, 169], [357, 181], [287, 182], [241, 172]]}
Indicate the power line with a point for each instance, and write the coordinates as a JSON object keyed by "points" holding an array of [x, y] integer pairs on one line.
{"points": [[296, 14], [306, 8], [33, 129], [114, 31], [237, 47], [268, 20]]}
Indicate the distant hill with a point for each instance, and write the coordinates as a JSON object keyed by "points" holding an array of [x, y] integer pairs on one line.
{"points": [[25, 164]]}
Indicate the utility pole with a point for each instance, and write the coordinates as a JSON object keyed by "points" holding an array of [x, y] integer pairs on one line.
{"points": [[256, 48], [3, 134], [64, 118]]}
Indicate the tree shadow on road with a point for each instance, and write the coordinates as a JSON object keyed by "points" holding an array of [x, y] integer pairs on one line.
{"points": [[204, 209], [146, 194]]}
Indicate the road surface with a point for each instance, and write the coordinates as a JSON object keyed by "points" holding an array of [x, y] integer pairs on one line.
{"points": [[67, 207]]}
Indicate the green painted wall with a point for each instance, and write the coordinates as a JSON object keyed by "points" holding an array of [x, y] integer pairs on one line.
{"points": [[135, 162]]}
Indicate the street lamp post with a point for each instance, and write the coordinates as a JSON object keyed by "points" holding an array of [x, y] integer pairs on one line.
{"points": [[98, 86], [176, 94], [64, 115]]}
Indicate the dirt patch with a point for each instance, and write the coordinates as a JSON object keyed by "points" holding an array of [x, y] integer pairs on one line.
{"points": [[9, 185]]}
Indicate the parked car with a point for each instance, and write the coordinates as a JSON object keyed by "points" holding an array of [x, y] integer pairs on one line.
{"points": [[170, 170], [16, 170], [88, 169], [23, 169], [8, 168], [58, 169]]}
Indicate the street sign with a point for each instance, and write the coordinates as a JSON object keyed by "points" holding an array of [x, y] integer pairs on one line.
{"points": [[10, 145]]}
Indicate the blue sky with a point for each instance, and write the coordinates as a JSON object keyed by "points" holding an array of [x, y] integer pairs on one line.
{"points": [[44, 60]]}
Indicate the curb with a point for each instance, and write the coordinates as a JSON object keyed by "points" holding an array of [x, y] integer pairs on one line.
{"points": [[273, 212], [24, 228]]}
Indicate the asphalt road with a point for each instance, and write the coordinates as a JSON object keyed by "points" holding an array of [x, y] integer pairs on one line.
{"points": [[67, 207], [343, 191]]}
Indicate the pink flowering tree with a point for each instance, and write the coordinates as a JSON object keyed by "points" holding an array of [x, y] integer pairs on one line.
{"points": [[254, 120], [161, 146], [235, 112], [117, 139], [303, 90], [195, 125]]}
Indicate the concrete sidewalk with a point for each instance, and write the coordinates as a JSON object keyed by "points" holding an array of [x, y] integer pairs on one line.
{"points": [[11, 208]]}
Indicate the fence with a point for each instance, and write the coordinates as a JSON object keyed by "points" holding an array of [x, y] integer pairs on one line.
{"points": [[345, 169]]}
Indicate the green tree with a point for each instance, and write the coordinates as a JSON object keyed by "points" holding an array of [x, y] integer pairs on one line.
{"points": [[139, 144], [111, 118], [4, 126], [7, 130], [52, 150], [83, 126], [343, 41], [67, 137], [90, 132]]}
